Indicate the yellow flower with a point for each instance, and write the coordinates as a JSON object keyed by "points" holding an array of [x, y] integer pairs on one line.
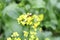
{"points": [[38, 19], [23, 23], [28, 13], [32, 36], [29, 18], [29, 23], [25, 39], [20, 18], [35, 29], [37, 38], [40, 29], [18, 38], [34, 16], [36, 24], [25, 16], [25, 33], [9, 38], [33, 33], [41, 16], [15, 34], [47, 39], [15, 38], [30, 39]]}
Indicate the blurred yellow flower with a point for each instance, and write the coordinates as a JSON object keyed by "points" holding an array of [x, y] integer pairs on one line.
{"points": [[18, 20], [47, 39], [33, 33], [35, 16], [25, 39], [38, 19], [30, 39], [25, 33], [22, 16], [18, 38], [23, 23], [36, 24], [9, 38], [15, 38], [37, 38], [29, 19], [32, 20], [29, 23], [33, 36], [15, 34], [40, 30], [41, 16]]}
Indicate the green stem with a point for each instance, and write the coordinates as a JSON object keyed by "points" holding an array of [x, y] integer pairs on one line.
{"points": [[29, 32]]}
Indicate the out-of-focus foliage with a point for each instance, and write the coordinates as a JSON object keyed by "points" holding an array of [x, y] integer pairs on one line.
{"points": [[10, 10]]}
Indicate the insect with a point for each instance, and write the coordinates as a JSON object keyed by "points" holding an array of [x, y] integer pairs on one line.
{"points": [[30, 14]]}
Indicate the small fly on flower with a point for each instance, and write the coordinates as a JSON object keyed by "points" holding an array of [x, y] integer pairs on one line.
{"points": [[29, 14]]}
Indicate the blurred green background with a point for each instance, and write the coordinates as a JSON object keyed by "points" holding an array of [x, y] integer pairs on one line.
{"points": [[11, 9]]}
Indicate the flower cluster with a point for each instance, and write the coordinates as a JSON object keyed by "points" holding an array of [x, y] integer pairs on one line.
{"points": [[14, 36], [25, 19], [25, 33], [29, 19], [33, 36], [32, 21]]}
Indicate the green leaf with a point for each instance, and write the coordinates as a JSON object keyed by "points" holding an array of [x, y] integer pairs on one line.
{"points": [[37, 3], [53, 2], [58, 5], [11, 11], [12, 26]]}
